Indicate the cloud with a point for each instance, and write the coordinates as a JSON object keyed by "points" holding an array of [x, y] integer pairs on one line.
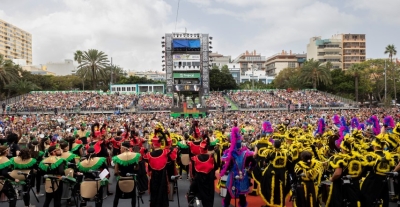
{"points": [[128, 31], [382, 11], [221, 11], [200, 2]]}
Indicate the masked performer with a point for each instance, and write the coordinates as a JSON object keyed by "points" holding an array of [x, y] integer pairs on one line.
{"points": [[91, 167], [260, 146], [126, 162], [308, 170], [53, 168], [6, 186], [25, 164], [202, 185], [194, 146], [158, 159], [238, 161], [274, 178], [374, 189]]}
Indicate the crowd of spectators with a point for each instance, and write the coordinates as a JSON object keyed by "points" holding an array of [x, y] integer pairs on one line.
{"points": [[151, 102], [93, 101], [109, 102], [256, 99], [283, 98], [49, 101], [72, 101], [217, 100]]}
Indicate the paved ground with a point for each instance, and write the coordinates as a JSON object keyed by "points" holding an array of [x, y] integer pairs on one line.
{"points": [[183, 186]]}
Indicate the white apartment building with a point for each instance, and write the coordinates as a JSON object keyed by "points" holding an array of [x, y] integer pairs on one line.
{"points": [[282, 60]]}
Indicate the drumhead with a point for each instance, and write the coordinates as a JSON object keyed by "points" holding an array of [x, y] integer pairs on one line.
{"points": [[185, 159], [87, 189]]}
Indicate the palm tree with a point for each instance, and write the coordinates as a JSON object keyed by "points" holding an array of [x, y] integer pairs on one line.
{"points": [[391, 50], [315, 72], [78, 56], [93, 64], [355, 70], [22, 86], [8, 71]]}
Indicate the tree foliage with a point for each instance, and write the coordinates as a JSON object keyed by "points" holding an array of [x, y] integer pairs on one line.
{"points": [[313, 71], [93, 63], [221, 79]]}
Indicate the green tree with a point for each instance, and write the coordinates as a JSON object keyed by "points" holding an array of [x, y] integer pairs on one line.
{"points": [[289, 78], [8, 71], [355, 70], [221, 80], [248, 85], [78, 56], [313, 71], [391, 50], [93, 64], [22, 86]]}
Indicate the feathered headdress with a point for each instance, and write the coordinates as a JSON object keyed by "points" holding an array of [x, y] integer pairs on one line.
{"points": [[336, 120], [234, 140], [374, 122], [342, 132], [267, 128], [355, 124], [321, 127], [388, 122]]}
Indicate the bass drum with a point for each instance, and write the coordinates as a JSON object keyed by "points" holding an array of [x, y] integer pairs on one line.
{"points": [[88, 189], [15, 175], [185, 159]]}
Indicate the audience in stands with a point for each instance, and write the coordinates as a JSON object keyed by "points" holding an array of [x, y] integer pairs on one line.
{"points": [[93, 101]]}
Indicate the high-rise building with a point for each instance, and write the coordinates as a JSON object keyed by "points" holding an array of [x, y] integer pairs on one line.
{"points": [[15, 43], [250, 61], [353, 49], [282, 60], [342, 50], [219, 60]]}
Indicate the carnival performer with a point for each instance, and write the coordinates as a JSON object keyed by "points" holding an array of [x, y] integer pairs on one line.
{"points": [[12, 143], [194, 146], [260, 146], [76, 146], [274, 178], [238, 162], [202, 185], [83, 133], [116, 143], [52, 168], [38, 155], [374, 188], [308, 170], [26, 164], [158, 159], [126, 162], [6, 186], [142, 180], [183, 156], [91, 168]]}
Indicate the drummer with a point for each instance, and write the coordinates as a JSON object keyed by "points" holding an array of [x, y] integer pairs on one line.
{"points": [[26, 164], [126, 163]]}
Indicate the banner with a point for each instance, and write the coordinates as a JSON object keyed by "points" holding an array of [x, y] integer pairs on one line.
{"points": [[186, 57], [186, 75], [187, 87]]}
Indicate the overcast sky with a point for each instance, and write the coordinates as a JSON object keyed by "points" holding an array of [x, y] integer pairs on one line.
{"points": [[130, 31]]}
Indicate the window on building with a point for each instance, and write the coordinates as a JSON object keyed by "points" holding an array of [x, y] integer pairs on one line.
{"points": [[291, 64]]}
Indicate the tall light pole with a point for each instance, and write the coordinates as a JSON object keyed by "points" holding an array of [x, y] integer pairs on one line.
{"points": [[385, 84], [111, 72]]}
